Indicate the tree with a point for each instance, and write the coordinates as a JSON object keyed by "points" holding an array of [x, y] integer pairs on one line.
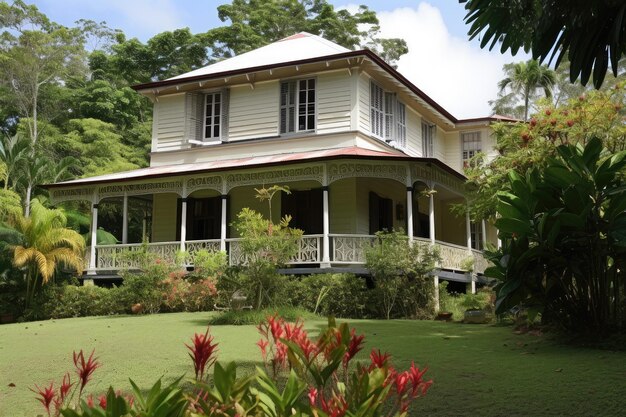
{"points": [[523, 146], [522, 81], [40, 244], [255, 23], [589, 34], [34, 53], [564, 239]]}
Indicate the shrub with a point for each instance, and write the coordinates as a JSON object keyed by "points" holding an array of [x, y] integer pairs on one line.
{"points": [[339, 295], [401, 274], [79, 301], [301, 376], [256, 317]]}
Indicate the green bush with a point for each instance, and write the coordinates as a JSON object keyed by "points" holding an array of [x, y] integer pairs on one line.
{"points": [[80, 301], [255, 317], [458, 303]]}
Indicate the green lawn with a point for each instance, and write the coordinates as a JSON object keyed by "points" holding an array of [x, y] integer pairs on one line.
{"points": [[478, 370]]}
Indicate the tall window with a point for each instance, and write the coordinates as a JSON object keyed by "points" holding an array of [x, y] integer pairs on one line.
{"points": [[471, 146], [476, 233], [297, 105], [212, 116], [387, 114], [428, 150]]}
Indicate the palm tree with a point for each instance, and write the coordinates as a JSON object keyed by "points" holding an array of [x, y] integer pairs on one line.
{"points": [[41, 243], [525, 78]]}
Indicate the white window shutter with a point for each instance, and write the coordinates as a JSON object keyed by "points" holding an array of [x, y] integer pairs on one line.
{"points": [[194, 115], [225, 111]]}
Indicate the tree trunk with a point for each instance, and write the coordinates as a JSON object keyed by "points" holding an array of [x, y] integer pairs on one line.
{"points": [[29, 191]]}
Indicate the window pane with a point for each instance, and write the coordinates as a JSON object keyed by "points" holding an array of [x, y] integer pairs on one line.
{"points": [[216, 131], [311, 122]]}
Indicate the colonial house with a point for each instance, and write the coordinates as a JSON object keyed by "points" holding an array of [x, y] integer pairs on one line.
{"points": [[360, 146]]}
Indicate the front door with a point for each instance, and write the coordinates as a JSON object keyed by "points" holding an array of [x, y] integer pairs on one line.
{"points": [[381, 213]]}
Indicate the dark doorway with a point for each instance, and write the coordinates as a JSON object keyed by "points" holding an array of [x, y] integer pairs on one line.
{"points": [[381, 213], [305, 208], [203, 218]]}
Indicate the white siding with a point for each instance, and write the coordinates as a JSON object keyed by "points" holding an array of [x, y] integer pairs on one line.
{"points": [[438, 144], [453, 151], [333, 102], [364, 103], [170, 125], [253, 112], [413, 133]]}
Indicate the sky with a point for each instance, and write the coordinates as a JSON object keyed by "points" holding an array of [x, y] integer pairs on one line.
{"points": [[441, 61]]}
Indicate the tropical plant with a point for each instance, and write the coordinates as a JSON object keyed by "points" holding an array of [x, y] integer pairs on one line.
{"points": [[301, 376], [523, 146], [395, 264], [521, 83], [265, 246], [564, 239], [40, 244], [589, 34]]}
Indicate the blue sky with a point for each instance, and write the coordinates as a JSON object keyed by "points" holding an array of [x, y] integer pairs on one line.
{"points": [[441, 61]]}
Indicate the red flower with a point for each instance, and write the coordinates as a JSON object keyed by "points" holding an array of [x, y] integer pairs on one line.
{"points": [[354, 346], [46, 396], [418, 386], [202, 352], [90, 401], [102, 401], [379, 360], [336, 407], [262, 344], [65, 387], [312, 396], [401, 382], [84, 369]]}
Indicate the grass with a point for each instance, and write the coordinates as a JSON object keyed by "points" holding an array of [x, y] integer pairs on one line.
{"points": [[479, 370], [255, 317]]}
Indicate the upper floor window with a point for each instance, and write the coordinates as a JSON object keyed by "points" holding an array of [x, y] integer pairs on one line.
{"points": [[297, 105], [206, 116], [428, 148], [212, 116], [387, 115], [472, 145]]}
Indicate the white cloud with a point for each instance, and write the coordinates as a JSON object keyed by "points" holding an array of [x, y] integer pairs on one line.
{"points": [[454, 72]]}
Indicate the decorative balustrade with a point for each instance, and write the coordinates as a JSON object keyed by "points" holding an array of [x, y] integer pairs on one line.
{"points": [[115, 257], [350, 249], [345, 249]]}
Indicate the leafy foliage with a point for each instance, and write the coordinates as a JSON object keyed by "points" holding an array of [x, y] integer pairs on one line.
{"points": [[395, 265], [522, 146], [588, 34], [564, 234], [255, 23]]}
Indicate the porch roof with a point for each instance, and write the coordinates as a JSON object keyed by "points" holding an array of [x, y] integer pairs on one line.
{"points": [[250, 162]]}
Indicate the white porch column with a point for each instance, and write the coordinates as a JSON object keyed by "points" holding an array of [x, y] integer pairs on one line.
{"points": [[223, 224], [94, 239], [409, 212], [468, 230], [483, 226], [431, 217], [125, 220], [326, 229], [183, 223], [436, 279]]}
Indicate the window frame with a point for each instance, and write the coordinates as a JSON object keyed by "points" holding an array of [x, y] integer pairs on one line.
{"points": [[296, 130], [205, 96], [465, 161]]}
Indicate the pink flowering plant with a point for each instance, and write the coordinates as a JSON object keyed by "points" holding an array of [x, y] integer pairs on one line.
{"points": [[301, 376]]}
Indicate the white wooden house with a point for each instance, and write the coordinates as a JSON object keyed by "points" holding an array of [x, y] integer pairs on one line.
{"points": [[355, 140]]}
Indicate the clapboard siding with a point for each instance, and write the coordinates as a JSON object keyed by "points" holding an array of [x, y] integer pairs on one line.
{"points": [[253, 112], [364, 103], [453, 151], [342, 202], [170, 125], [413, 133], [333, 102]]}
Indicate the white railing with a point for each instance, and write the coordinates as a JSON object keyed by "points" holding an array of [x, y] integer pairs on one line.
{"points": [[114, 257], [349, 249], [345, 249]]}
